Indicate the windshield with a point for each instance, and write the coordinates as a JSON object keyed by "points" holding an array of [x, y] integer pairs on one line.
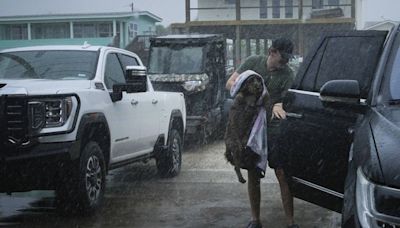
{"points": [[176, 60], [56, 65]]}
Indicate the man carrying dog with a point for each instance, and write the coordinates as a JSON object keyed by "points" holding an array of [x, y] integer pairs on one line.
{"points": [[278, 78]]}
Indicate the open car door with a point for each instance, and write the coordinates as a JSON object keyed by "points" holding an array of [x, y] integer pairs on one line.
{"points": [[316, 139]]}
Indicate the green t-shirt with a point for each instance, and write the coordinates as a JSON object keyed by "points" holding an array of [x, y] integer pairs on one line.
{"points": [[277, 82]]}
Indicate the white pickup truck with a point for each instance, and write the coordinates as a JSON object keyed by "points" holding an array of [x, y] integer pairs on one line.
{"points": [[69, 114]]}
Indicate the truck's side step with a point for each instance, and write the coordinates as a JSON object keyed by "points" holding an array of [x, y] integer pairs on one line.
{"points": [[132, 160]]}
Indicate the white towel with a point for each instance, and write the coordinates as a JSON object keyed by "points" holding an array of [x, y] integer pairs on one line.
{"points": [[257, 140]]}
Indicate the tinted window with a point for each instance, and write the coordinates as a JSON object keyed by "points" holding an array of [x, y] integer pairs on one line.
{"points": [[395, 75], [113, 73], [58, 65], [128, 61], [308, 81], [343, 56], [351, 58]]}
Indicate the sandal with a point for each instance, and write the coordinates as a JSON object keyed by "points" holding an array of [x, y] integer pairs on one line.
{"points": [[254, 224]]}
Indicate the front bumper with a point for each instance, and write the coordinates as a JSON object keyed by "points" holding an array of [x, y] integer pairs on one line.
{"points": [[39, 167]]}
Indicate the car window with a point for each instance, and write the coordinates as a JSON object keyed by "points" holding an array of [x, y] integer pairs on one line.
{"points": [[113, 72], [54, 65], [128, 60], [342, 57], [349, 58], [395, 74], [308, 80], [176, 59]]}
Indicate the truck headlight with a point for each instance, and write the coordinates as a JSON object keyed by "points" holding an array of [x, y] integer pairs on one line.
{"points": [[376, 204], [194, 86], [50, 112]]}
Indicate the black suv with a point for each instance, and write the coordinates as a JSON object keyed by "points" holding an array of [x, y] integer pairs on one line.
{"points": [[342, 132]]}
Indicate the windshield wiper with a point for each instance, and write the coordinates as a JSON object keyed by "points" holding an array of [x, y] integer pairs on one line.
{"points": [[30, 70], [394, 102]]}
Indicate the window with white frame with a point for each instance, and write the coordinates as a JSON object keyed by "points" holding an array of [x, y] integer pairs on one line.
{"points": [[276, 8], [105, 29], [132, 30], [93, 29], [317, 4], [288, 8], [50, 30], [14, 32], [263, 8], [333, 3]]}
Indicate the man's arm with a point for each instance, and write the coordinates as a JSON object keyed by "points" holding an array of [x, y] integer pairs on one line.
{"points": [[248, 64], [277, 109], [231, 80]]}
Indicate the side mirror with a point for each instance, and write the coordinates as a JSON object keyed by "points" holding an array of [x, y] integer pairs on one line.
{"points": [[341, 94], [118, 88], [342, 91], [137, 75], [136, 82], [116, 94]]}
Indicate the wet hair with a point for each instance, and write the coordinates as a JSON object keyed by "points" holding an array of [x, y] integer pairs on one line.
{"points": [[285, 48]]}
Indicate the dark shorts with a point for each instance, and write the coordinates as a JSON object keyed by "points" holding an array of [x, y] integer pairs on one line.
{"points": [[276, 154]]}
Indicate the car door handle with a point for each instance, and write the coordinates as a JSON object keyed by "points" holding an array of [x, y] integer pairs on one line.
{"points": [[154, 101], [134, 102], [294, 115]]}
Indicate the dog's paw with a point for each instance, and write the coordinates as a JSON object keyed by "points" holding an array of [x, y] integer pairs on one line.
{"points": [[242, 180]]}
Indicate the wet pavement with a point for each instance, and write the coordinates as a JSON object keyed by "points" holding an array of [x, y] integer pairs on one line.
{"points": [[205, 194]]}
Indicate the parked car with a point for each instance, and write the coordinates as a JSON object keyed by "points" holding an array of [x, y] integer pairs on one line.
{"points": [[342, 132], [194, 65], [69, 114]]}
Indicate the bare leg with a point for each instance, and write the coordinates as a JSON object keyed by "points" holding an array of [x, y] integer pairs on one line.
{"points": [[253, 186], [286, 195]]}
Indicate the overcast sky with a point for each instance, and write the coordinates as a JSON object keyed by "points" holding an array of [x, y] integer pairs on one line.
{"points": [[169, 10], [376, 10]]}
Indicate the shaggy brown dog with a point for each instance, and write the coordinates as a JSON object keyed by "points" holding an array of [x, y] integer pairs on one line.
{"points": [[241, 118]]}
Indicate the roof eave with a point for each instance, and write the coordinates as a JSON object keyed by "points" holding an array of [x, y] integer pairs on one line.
{"points": [[95, 16]]}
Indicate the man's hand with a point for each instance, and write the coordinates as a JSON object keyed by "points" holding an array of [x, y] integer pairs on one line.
{"points": [[231, 80], [278, 112]]}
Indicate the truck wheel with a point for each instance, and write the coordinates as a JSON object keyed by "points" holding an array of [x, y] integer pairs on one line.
{"points": [[84, 191], [169, 161]]}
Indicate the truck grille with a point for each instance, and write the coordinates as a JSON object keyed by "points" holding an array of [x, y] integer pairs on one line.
{"points": [[16, 120], [387, 225]]}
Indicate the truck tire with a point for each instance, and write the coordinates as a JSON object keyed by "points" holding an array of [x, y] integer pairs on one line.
{"points": [[84, 192], [169, 161]]}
